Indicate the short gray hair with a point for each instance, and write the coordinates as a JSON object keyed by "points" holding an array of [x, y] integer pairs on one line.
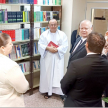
{"points": [[88, 21]]}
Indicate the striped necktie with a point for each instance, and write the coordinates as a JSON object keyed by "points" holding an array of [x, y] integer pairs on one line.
{"points": [[80, 43], [77, 46]]}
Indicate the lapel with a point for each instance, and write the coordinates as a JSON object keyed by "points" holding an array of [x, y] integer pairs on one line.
{"points": [[76, 44], [81, 47]]}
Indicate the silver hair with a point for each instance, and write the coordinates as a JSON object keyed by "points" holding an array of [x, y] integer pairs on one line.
{"points": [[87, 22]]}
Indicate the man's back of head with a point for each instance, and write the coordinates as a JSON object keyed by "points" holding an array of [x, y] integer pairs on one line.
{"points": [[95, 43]]}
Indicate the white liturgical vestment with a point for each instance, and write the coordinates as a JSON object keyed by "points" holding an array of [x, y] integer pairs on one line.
{"points": [[52, 64]]}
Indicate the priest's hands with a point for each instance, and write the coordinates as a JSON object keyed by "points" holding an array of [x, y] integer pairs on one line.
{"points": [[52, 49]]}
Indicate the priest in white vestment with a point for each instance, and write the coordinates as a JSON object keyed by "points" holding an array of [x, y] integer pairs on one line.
{"points": [[52, 59]]}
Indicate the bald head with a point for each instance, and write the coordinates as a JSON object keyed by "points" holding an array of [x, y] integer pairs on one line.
{"points": [[52, 20], [53, 25]]}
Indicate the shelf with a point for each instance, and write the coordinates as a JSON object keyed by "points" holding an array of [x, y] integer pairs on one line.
{"points": [[37, 85], [44, 21], [25, 22], [26, 57], [14, 42], [34, 71], [27, 4], [14, 4], [46, 5], [36, 55], [36, 78], [15, 23], [36, 82], [22, 58]]}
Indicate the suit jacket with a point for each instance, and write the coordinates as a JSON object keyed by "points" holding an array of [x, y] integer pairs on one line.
{"points": [[73, 38], [12, 83], [80, 52], [85, 81]]}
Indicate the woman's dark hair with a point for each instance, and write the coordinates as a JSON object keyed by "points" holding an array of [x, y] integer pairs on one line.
{"points": [[4, 39]]}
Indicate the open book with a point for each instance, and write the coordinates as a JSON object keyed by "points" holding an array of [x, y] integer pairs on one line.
{"points": [[52, 44]]}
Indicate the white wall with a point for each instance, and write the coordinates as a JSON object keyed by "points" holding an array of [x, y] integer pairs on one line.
{"points": [[73, 11], [78, 13], [96, 5], [67, 24]]}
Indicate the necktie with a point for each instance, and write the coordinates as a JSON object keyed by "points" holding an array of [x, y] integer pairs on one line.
{"points": [[77, 46], [79, 43]]}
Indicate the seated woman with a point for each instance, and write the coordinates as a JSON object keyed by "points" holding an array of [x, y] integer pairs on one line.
{"points": [[12, 80]]}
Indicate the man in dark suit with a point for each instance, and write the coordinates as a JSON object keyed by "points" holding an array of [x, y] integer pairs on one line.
{"points": [[79, 51], [87, 77], [74, 36]]}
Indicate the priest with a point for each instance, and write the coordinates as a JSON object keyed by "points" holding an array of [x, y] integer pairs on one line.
{"points": [[52, 46]]}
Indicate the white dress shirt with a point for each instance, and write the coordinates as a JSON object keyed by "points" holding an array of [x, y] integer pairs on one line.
{"points": [[91, 53], [79, 43]]}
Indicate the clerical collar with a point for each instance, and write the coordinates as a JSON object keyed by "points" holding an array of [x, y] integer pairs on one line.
{"points": [[91, 53]]}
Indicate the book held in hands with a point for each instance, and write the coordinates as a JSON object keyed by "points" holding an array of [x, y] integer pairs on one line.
{"points": [[52, 44]]}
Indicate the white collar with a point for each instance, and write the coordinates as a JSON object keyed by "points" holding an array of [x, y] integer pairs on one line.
{"points": [[91, 53], [83, 39]]}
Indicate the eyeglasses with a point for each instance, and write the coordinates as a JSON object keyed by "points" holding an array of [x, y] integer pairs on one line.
{"points": [[53, 25]]}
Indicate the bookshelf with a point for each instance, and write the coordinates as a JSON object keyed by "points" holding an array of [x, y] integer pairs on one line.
{"points": [[46, 5], [14, 23], [22, 58], [25, 22], [36, 78], [24, 41], [27, 73], [33, 76], [14, 4], [27, 5]]}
